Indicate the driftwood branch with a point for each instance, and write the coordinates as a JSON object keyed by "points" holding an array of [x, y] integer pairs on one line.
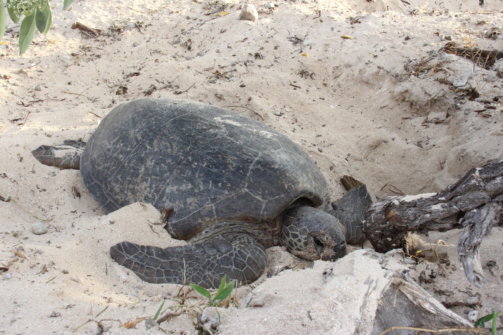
{"points": [[474, 203], [477, 223]]}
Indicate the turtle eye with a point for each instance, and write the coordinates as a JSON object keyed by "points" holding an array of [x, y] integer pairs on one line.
{"points": [[318, 244]]}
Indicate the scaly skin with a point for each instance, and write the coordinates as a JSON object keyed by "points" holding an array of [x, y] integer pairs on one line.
{"points": [[351, 210], [237, 255], [66, 156], [312, 234], [235, 249]]}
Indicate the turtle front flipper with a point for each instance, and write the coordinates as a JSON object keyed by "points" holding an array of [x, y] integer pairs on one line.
{"points": [[237, 255], [66, 156], [351, 210]]}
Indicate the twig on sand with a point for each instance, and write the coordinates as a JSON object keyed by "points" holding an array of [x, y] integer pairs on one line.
{"points": [[247, 108], [90, 32], [184, 91], [102, 311], [98, 116], [167, 316], [50, 280]]}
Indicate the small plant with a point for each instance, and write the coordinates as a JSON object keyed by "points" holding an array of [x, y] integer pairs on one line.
{"points": [[224, 291], [35, 15], [152, 322], [480, 323], [159, 310]]}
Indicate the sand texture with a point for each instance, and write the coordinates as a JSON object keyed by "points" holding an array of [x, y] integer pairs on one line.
{"points": [[364, 87]]}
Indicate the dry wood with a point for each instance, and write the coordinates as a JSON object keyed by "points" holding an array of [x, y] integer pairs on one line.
{"points": [[405, 305], [474, 203], [88, 31], [168, 316], [481, 57], [477, 223]]}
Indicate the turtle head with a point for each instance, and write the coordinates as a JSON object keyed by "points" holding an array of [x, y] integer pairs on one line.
{"points": [[312, 234]]}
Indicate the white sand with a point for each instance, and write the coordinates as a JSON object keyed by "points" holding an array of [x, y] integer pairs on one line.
{"points": [[352, 103]]}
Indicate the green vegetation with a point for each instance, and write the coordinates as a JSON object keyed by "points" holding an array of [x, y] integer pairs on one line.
{"points": [[159, 310], [493, 317], [224, 291], [33, 14]]}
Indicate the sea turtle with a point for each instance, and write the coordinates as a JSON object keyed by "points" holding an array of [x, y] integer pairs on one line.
{"points": [[231, 185]]}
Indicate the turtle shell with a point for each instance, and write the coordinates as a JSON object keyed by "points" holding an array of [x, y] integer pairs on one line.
{"points": [[205, 163]]}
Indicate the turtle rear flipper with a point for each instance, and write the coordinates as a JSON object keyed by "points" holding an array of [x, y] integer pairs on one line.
{"points": [[237, 255], [65, 156], [351, 210]]}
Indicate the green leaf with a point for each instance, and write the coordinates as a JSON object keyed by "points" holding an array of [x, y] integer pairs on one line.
{"points": [[223, 283], [26, 33], [201, 290], [486, 318], [3, 19], [43, 19], [12, 15], [49, 22], [67, 3], [494, 326], [158, 311], [226, 292]]}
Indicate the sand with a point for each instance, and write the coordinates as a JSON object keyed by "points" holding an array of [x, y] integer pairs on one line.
{"points": [[361, 86]]}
